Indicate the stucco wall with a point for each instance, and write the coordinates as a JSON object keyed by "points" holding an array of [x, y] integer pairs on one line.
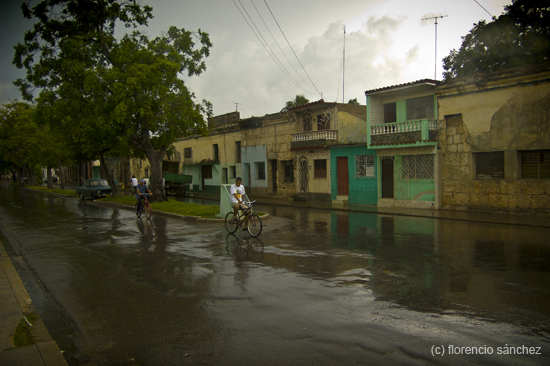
{"points": [[493, 115]]}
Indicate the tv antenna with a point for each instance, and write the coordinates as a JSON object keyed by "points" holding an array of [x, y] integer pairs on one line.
{"points": [[344, 67], [435, 23], [237, 106]]}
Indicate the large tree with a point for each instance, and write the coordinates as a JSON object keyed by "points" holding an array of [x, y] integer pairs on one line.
{"points": [[124, 90], [520, 36]]}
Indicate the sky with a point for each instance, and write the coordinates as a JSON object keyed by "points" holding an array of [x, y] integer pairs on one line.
{"points": [[265, 52]]}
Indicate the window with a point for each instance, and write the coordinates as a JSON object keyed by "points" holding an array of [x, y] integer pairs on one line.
{"points": [[323, 122], [489, 165], [320, 168], [364, 166], [260, 170], [216, 153], [390, 113], [289, 171], [238, 151], [306, 122], [418, 166], [420, 108], [233, 172], [535, 164], [187, 153]]}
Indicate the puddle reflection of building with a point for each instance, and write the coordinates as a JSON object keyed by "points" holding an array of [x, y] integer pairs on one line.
{"points": [[245, 250]]}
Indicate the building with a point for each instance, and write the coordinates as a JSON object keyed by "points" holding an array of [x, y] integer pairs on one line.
{"points": [[495, 149], [402, 128]]}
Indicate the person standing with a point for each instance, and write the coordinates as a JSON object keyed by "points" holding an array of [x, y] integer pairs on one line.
{"points": [[133, 184], [237, 192]]}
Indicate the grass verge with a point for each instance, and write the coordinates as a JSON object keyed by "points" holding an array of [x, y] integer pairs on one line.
{"points": [[23, 336], [67, 192], [174, 207]]}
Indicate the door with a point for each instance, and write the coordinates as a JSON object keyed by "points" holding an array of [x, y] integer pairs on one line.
{"points": [[343, 175], [304, 175], [274, 174], [387, 178], [206, 174]]}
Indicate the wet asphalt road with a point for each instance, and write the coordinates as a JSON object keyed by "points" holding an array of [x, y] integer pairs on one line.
{"points": [[317, 287]]}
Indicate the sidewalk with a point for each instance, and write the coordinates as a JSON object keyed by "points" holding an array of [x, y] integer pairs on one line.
{"points": [[14, 302], [540, 220]]}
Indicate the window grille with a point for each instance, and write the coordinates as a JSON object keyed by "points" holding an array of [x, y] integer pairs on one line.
{"points": [[260, 169], [535, 164], [418, 167], [306, 121], [304, 181], [364, 166], [323, 121]]}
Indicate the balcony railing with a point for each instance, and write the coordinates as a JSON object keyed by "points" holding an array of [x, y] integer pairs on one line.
{"points": [[315, 135], [407, 126]]}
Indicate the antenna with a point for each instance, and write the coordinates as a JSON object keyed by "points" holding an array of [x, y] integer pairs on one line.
{"points": [[344, 67], [237, 106], [435, 64]]}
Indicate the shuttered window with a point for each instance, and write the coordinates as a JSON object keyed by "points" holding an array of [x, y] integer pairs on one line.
{"points": [[489, 165], [535, 164], [420, 108]]}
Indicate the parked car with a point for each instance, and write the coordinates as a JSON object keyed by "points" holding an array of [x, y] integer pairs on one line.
{"points": [[94, 188]]}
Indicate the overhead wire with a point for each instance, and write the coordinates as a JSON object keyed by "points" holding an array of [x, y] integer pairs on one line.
{"points": [[303, 68], [258, 35]]}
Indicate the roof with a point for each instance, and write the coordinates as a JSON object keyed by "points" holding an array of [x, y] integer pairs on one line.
{"points": [[308, 105], [404, 86]]}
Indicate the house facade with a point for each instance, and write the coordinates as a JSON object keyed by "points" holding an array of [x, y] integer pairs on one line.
{"points": [[402, 128], [495, 149]]}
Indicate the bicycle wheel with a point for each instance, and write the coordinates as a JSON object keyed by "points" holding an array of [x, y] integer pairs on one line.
{"points": [[254, 225], [147, 208], [231, 225]]}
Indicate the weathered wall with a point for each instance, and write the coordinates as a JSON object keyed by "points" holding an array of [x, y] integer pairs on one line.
{"points": [[492, 114]]}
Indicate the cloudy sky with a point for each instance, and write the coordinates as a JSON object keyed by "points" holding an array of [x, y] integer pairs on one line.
{"points": [[262, 47]]}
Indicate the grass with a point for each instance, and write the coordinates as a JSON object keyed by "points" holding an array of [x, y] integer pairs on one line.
{"points": [[23, 333], [67, 192], [171, 206]]}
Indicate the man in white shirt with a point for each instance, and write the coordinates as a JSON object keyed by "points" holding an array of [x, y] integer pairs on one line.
{"points": [[237, 193], [134, 183]]}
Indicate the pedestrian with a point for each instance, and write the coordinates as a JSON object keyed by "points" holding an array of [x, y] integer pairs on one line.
{"points": [[237, 192]]}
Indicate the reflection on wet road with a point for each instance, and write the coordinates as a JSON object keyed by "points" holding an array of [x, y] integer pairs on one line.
{"points": [[316, 287]]}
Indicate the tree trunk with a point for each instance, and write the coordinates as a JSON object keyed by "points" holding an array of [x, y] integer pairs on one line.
{"points": [[61, 181], [155, 179], [106, 174], [49, 177]]}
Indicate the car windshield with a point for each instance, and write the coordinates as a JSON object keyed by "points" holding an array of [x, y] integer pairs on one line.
{"points": [[97, 183]]}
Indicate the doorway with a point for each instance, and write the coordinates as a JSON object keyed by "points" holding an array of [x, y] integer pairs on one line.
{"points": [[343, 175], [387, 178], [274, 175]]}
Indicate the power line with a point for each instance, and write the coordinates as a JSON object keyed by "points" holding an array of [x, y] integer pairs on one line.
{"points": [[266, 47], [312, 83]]}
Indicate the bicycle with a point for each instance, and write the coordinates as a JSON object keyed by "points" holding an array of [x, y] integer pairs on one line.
{"points": [[145, 207], [254, 222]]}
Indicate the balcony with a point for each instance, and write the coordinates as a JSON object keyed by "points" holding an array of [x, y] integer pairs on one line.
{"points": [[404, 134], [313, 139]]}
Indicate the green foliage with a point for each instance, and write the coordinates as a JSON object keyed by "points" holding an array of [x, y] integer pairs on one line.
{"points": [[298, 100], [353, 101], [520, 36], [23, 336]]}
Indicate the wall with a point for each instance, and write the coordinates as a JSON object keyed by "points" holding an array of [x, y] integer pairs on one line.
{"points": [[497, 112]]}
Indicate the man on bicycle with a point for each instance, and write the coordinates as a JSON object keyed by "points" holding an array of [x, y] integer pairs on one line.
{"points": [[140, 191], [236, 193], [133, 184]]}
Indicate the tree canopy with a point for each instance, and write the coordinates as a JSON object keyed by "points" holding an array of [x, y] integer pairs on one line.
{"points": [[298, 100], [126, 93], [520, 36]]}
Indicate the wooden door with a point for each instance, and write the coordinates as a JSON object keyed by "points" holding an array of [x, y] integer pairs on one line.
{"points": [[343, 175], [274, 174]]}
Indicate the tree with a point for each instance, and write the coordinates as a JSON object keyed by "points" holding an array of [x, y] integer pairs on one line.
{"points": [[126, 92], [353, 101], [298, 100], [520, 36]]}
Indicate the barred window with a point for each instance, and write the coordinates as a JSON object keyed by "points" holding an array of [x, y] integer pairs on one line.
{"points": [[320, 168], [187, 153], [260, 170], [364, 166], [535, 164], [418, 167], [289, 171]]}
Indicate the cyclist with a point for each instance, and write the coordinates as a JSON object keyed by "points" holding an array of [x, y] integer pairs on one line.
{"points": [[140, 191], [236, 193], [134, 184]]}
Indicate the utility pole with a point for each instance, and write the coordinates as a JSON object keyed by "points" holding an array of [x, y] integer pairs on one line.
{"points": [[237, 106], [344, 68], [435, 64]]}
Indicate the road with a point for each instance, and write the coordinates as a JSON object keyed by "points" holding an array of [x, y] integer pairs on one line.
{"points": [[317, 287]]}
